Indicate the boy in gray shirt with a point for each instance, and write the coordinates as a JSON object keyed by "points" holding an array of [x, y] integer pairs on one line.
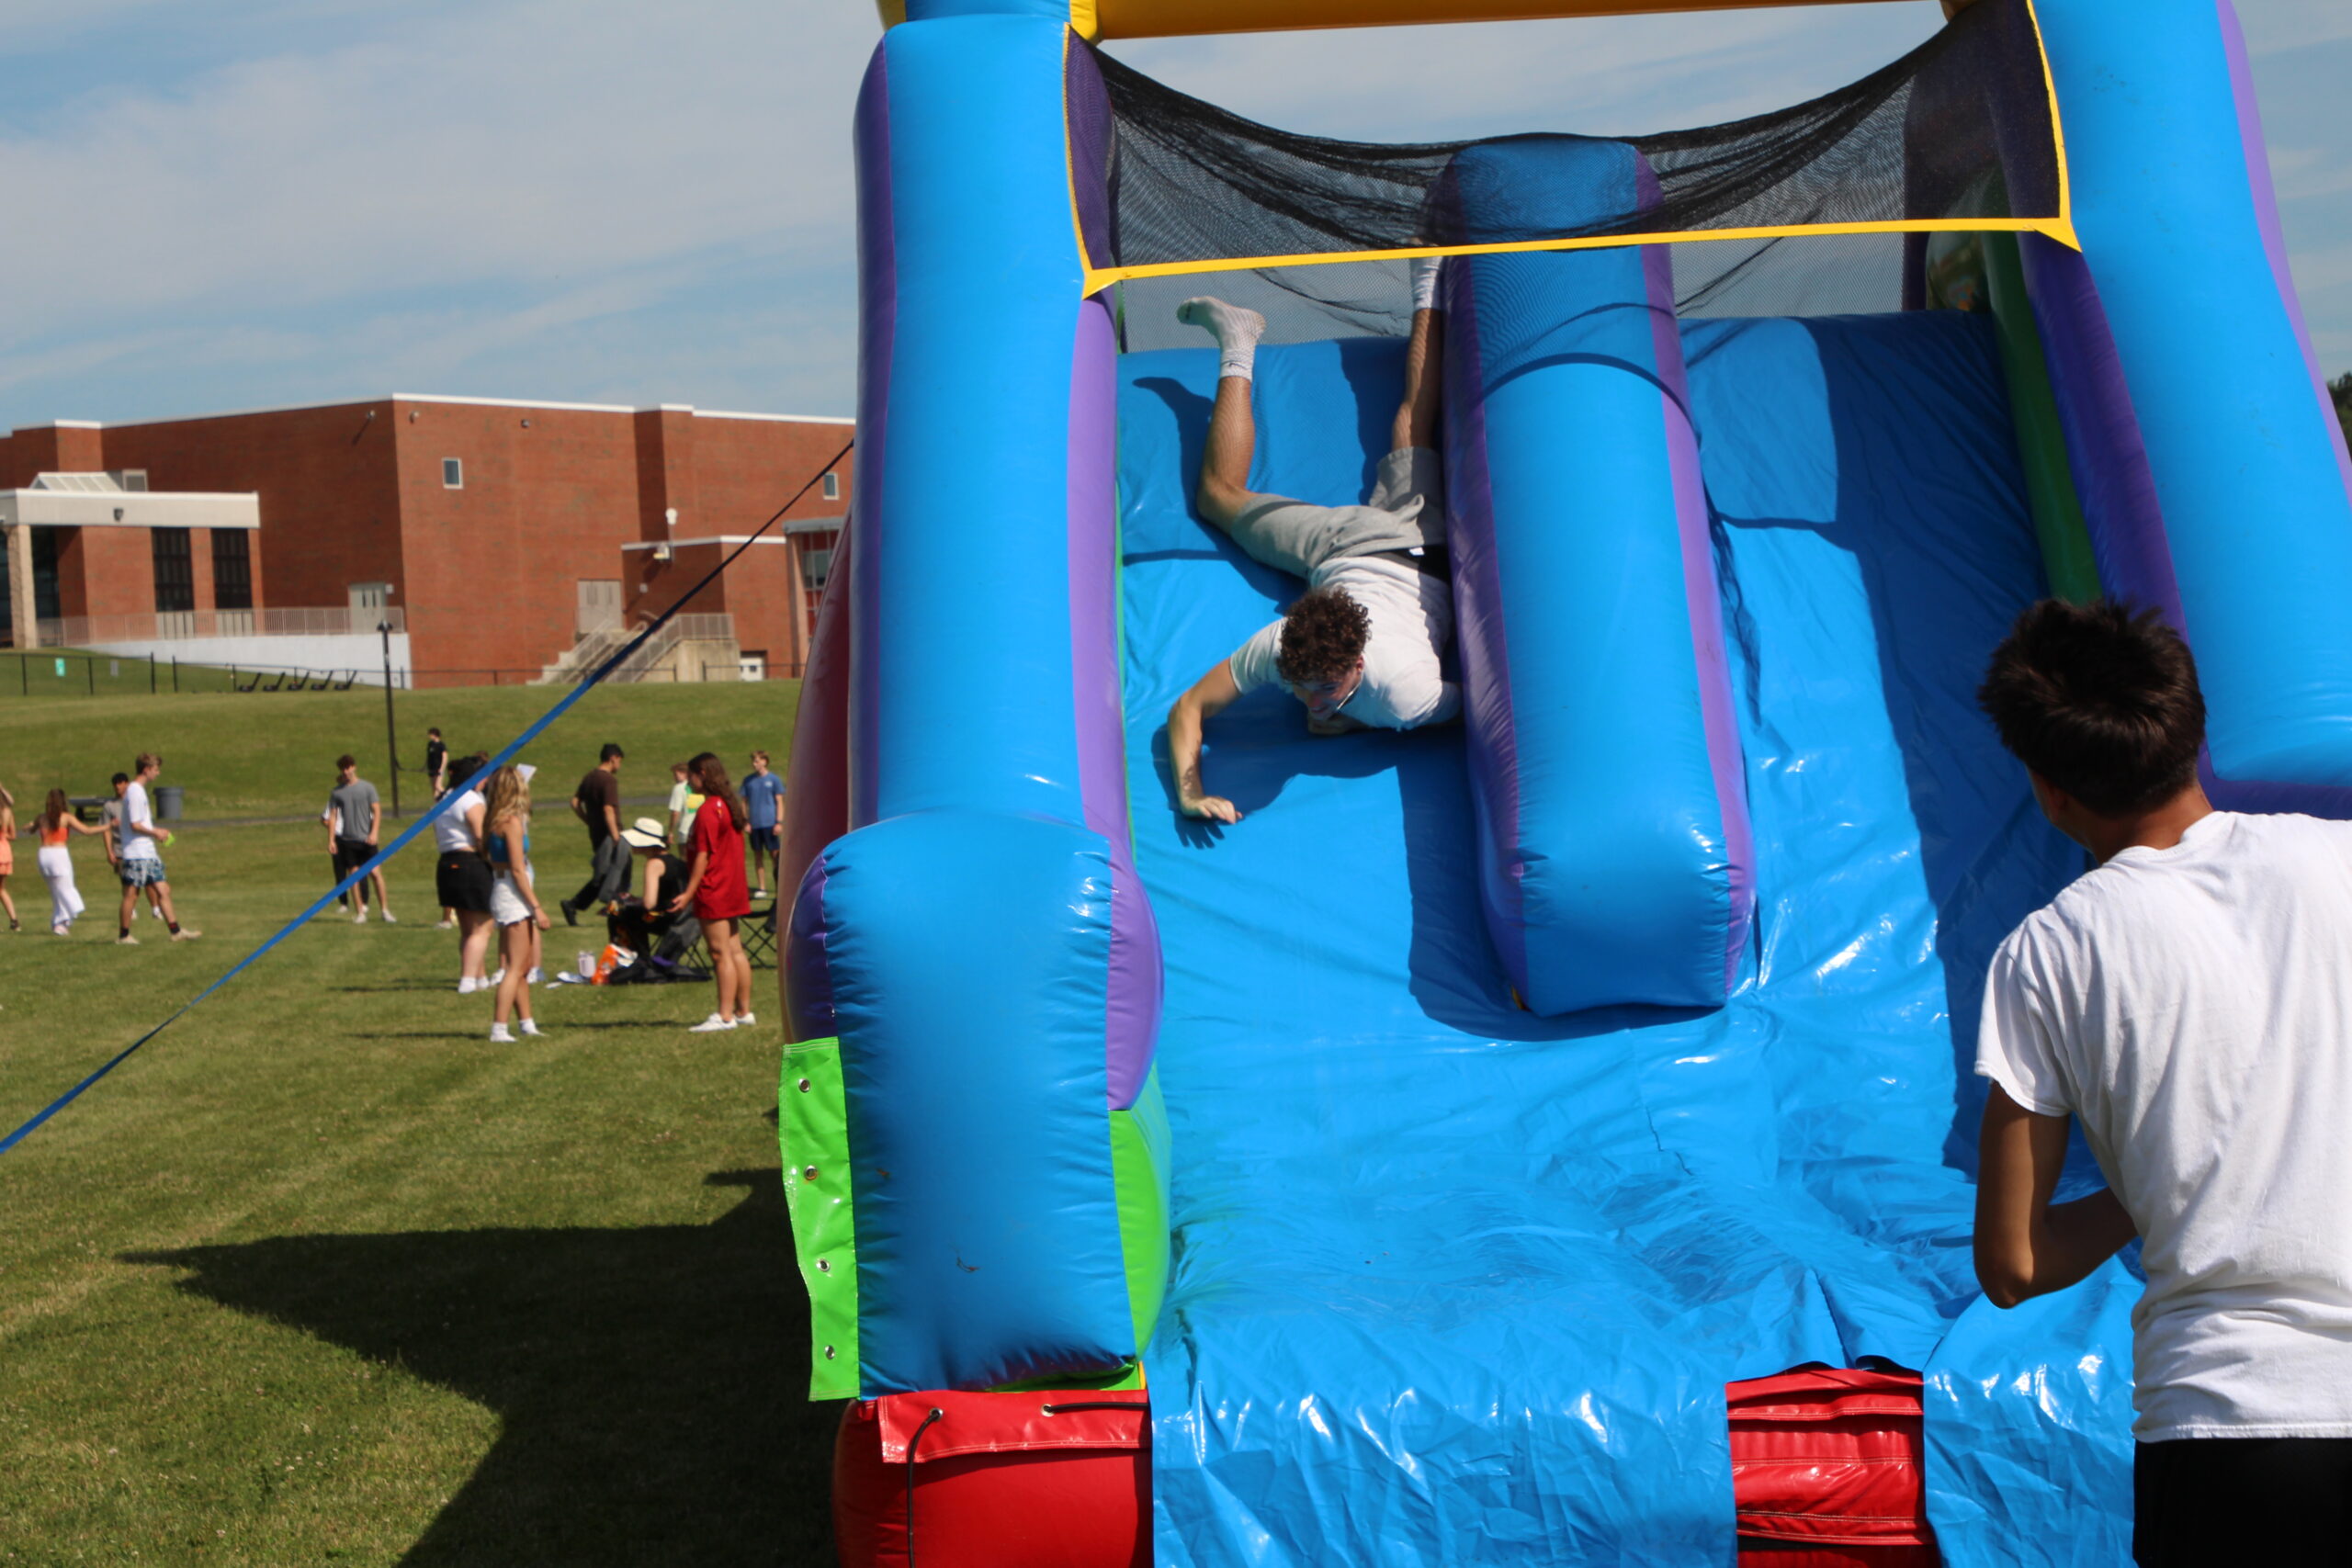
{"points": [[353, 818]]}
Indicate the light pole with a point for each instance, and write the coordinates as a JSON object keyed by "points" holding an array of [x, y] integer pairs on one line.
{"points": [[392, 733]]}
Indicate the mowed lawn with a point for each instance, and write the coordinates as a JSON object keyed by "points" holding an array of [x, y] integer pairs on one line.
{"points": [[323, 1276]]}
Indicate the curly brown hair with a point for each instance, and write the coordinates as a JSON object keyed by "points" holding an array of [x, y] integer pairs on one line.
{"points": [[1323, 635]]}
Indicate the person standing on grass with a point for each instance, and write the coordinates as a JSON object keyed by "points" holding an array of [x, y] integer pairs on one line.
{"points": [[717, 891], [57, 824], [462, 878], [139, 855], [597, 802], [2189, 1002], [763, 798], [8, 853], [111, 820], [354, 822], [514, 902], [684, 804], [437, 763]]}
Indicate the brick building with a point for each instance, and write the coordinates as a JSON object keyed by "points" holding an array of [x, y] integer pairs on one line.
{"points": [[500, 539]]}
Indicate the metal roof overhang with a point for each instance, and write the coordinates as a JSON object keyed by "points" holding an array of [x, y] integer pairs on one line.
{"points": [[130, 509]]}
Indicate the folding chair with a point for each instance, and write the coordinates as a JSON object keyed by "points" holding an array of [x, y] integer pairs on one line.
{"points": [[759, 938]]}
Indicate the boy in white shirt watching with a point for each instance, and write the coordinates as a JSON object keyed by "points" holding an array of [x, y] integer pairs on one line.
{"points": [[2190, 1001]]}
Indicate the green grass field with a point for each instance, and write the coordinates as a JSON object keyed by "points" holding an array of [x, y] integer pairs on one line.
{"points": [[321, 1276], [262, 754]]}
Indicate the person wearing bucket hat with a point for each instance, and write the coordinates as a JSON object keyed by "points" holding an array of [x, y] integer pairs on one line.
{"points": [[638, 920]]}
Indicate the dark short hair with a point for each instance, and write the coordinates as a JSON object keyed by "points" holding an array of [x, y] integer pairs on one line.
{"points": [[347, 760], [433, 730], [609, 752], [120, 778], [2101, 700], [1323, 635]]}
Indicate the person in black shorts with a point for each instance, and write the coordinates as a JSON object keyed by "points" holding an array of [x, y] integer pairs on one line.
{"points": [[437, 763], [354, 820], [461, 878]]}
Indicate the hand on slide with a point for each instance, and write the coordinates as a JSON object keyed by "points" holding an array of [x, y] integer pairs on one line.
{"points": [[1214, 808]]}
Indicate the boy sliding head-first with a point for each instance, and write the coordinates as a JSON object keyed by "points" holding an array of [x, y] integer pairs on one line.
{"points": [[2190, 1001], [1360, 648]]}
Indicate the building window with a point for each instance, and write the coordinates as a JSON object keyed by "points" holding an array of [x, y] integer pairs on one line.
{"points": [[814, 565], [232, 569], [833, 486], [453, 474], [174, 576]]}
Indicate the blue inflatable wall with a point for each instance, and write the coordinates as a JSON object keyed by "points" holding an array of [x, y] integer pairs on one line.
{"points": [[1613, 817]]}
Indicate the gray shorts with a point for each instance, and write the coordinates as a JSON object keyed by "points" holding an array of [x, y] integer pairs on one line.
{"points": [[1407, 512]]}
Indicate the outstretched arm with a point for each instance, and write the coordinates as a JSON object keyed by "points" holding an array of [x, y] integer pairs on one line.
{"points": [[2024, 1248], [1211, 694]]}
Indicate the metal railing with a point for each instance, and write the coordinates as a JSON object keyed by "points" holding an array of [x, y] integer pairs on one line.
{"points": [[583, 658], [178, 625]]}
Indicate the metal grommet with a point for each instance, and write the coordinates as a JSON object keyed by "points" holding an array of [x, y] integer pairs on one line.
{"points": [[823, 1267], [808, 1173], [829, 1352], [804, 1086]]}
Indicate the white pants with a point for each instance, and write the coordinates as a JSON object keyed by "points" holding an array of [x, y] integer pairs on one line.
{"points": [[57, 870]]}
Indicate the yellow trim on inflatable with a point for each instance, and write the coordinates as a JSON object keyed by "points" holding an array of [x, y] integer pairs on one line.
{"points": [[2062, 231], [1182, 18], [2057, 229], [893, 12], [1069, 177], [1084, 20]]}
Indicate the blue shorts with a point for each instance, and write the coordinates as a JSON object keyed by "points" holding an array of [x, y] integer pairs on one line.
{"points": [[763, 841], [143, 872]]}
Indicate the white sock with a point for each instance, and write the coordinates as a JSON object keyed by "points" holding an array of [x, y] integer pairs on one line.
{"points": [[531, 1026], [1425, 275], [498, 1036], [1236, 331]]}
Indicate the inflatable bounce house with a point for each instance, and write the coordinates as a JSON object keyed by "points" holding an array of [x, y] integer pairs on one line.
{"points": [[1547, 1138]]}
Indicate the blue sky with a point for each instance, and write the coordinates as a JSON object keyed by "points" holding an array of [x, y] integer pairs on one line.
{"points": [[256, 202]]}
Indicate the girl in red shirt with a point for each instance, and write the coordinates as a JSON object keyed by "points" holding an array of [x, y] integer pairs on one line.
{"points": [[718, 891]]}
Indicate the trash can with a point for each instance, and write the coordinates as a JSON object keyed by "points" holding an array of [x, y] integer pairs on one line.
{"points": [[168, 802]]}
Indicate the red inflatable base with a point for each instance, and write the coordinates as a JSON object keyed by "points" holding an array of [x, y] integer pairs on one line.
{"points": [[1048, 1479], [1825, 1471], [1825, 1475]]}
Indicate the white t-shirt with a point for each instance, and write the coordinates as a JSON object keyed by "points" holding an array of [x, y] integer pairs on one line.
{"points": [[136, 814], [1412, 616], [2193, 1007], [450, 834]]}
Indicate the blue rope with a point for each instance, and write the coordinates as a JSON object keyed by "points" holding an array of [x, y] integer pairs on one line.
{"points": [[504, 755]]}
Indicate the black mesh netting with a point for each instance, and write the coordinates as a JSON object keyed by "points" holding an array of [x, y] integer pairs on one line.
{"points": [[1958, 129]]}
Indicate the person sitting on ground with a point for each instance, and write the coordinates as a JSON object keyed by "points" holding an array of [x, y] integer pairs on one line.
{"points": [[1360, 648], [354, 821], [2189, 1001], [638, 920]]}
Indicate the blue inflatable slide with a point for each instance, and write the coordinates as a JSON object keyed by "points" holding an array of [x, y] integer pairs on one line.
{"points": [[1420, 1158]]}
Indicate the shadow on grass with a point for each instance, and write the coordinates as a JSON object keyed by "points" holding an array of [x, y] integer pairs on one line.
{"points": [[647, 1380]]}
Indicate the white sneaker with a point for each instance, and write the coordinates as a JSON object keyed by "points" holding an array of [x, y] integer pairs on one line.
{"points": [[530, 1026], [360, 919], [714, 1024], [391, 919], [495, 977], [184, 934], [498, 1036], [467, 984], [745, 1018], [534, 977], [444, 925]]}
